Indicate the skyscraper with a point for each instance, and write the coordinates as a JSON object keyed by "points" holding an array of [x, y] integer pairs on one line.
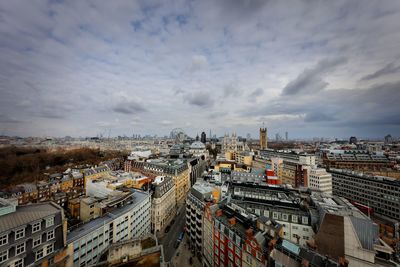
{"points": [[203, 137], [263, 138]]}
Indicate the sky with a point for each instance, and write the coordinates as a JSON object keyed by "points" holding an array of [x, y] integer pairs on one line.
{"points": [[311, 68]]}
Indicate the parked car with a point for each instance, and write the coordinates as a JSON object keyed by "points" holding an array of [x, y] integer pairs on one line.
{"points": [[180, 238], [167, 229]]}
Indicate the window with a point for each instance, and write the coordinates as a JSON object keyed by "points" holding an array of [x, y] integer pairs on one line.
{"points": [[230, 245], [3, 239], [3, 256], [20, 248], [20, 233], [284, 217], [19, 263], [50, 235], [49, 222], [230, 255], [248, 248], [258, 256], [49, 249], [237, 250], [36, 227], [221, 247], [237, 261], [37, 241], [305, 220], [294, 218]]}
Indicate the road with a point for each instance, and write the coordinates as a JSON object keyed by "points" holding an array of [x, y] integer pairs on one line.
{"points": [[169, 239]]}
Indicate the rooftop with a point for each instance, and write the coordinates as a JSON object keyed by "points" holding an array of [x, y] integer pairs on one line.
{"points": [[86, 228], [27, 214]]}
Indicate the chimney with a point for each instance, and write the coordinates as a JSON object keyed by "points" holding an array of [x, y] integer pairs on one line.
{"points": [[232, 221], [219, 213], [249, 232]]}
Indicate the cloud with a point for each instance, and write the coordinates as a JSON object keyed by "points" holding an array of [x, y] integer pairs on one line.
{"points": [[311, 80], [256, 93], [127, 104], [231, 89], [166, 123], [199, 62], [199, 98], [64, 63], [7, 119], [388, 69]]}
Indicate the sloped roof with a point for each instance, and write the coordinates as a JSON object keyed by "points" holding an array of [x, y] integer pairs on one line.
{"points": [[27, 214]]}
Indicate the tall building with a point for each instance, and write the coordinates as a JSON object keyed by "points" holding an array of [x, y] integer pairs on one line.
{"points": [[163, 208], [203, 137], [199, 196], [263, 138], [30, 235], [286, 136]]}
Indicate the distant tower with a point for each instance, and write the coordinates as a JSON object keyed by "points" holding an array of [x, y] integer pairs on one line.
{"points": [[203, 137], [353, 140], [197, 137], [286, 136], [263, 138]]}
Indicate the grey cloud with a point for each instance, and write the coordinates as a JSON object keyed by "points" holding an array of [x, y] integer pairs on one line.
{"points": [[318, 116], [311, 80], [129, 107], [7, 119], [199, 98], [376, 105], [231, 89], [388, 69], [256, 93]]}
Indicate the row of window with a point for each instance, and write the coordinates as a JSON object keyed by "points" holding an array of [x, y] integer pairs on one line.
{"points": [[20, 233]]}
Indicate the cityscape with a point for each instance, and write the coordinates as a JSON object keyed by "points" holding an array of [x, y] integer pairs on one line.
{"points": [[239, 133]]}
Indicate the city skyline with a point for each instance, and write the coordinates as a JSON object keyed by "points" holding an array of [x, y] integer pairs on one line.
{"points": [[82, 68]]}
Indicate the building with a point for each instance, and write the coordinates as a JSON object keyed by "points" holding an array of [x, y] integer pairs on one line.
{"points": [[87, 241], [142, 250], [294, 173], [198, 149], [263, 138], [94, 173], [356, 161], [197, 167], [177, 169], [163, 203], [92, 207], [252, 193], [203, 138], [30, 235], [320, 180], [345, 234], [200, 195], [377, 192]]}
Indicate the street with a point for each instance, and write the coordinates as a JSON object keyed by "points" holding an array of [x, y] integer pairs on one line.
{"points": [[169, 239]]}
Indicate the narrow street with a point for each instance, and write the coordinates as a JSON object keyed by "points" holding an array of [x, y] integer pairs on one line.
{"points": [[169, 239]]}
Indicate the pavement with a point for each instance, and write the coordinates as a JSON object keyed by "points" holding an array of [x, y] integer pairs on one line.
{"points": [[168, 240], [182, 256]]}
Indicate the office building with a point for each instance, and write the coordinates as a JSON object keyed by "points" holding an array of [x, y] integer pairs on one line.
{"points": [[320, 180], [163, 203], [377, 192]]}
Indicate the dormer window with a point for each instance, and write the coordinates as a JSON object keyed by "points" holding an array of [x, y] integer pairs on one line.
{"points": [[49, 222], [36, 227], [20, 233], [3, 239]]}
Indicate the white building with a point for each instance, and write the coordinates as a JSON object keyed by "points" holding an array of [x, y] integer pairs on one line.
{"points": [[320, 180], [163, 208], [86, 242], [198, 149]]}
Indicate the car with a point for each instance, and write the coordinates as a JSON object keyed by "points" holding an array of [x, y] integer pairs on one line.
{"points": [[176, 245], [180, 238], [167, 229]]}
